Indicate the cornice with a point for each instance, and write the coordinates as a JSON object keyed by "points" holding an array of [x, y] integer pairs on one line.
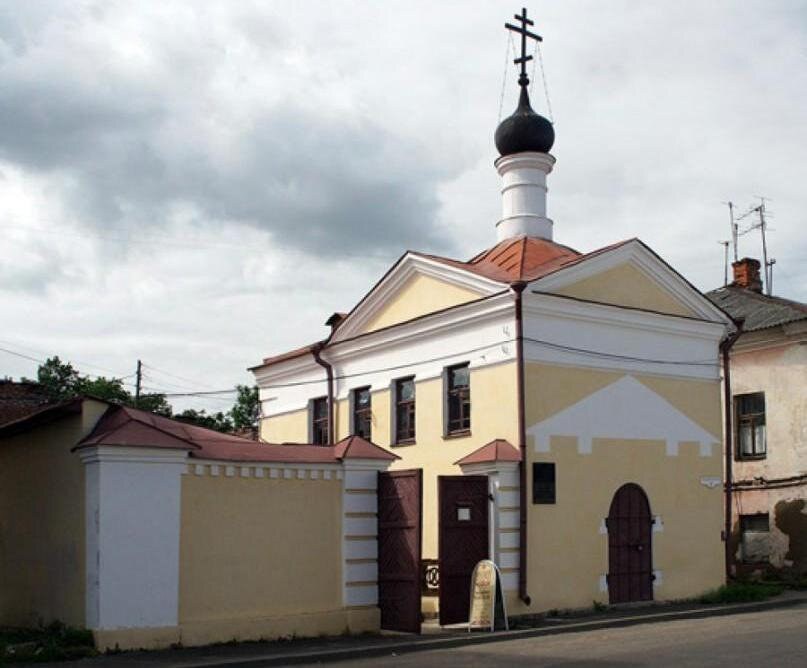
{"points": [[543, 304], [440, 323], [139, 455], [437, 324]]}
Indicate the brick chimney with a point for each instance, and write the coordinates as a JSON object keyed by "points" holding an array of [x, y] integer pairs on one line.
{"points": [[746, 274]]}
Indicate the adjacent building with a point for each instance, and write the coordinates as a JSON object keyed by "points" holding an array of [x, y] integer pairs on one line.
{"points": [[769, 433], [20, 398]]}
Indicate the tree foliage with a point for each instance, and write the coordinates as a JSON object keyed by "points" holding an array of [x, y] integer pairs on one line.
{"points": [[218, 421], [246, 412], [62, 381]]}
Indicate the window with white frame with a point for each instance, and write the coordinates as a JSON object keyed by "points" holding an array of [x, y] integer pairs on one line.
{"points": [[749, 410]]}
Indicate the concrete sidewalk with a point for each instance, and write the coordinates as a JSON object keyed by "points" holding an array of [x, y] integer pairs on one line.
{"points": [[251, 655]]}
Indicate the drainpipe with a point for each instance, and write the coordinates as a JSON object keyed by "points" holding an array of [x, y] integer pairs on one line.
{"points": [[518, 288], [725, 347], [315, 351]]}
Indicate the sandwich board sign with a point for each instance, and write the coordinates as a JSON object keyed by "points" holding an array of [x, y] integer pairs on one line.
{"points": [[486, 597]]}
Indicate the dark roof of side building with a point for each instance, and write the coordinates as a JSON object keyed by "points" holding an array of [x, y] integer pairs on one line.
{"points": [[758, 310], [20, 398]]}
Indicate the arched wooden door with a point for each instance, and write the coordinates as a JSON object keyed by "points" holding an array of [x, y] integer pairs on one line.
{"points": [[630, 558]]}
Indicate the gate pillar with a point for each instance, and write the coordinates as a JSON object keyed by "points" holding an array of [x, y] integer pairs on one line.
{"points": [[361, 462], [499, 461]]}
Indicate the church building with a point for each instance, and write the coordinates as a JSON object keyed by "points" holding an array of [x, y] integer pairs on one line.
{"points": [[554, 410]]}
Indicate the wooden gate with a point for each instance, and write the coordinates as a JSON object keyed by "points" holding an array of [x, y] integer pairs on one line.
{"points": [[400, 501], [630, 560], [463, 541]]}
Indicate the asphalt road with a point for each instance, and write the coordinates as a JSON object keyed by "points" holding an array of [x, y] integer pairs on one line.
{"points": [[771, 639]]}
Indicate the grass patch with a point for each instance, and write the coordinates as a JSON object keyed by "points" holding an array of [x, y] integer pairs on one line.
{"points": [[742, 592], [54, 642]]}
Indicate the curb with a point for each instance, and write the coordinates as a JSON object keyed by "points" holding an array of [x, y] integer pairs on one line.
{"points": [[386, 649]]}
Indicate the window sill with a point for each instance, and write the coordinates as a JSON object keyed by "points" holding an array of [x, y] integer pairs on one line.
{"points": [[750, 458], [457, 434], [404, 443]]}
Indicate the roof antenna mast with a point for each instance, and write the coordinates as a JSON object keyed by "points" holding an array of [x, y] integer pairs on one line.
{"points": [[725, 245], [762, 226]]}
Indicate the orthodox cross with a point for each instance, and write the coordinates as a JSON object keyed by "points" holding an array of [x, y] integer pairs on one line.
{"points": [[522, 30]]}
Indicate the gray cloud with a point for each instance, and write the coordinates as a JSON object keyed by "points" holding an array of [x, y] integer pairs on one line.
{"points": [[129, 150]]}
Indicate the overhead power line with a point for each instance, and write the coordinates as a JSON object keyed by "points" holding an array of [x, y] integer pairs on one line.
{"points": [[72, 360], [173, 375], [42, 361], [558, 346]]}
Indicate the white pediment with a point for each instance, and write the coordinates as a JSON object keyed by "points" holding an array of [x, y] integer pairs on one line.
{"points": [[624, 410], [410, 265]]}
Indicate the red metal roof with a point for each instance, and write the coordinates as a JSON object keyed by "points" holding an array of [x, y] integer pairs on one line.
{"points": [[499, 450], [128, 427], [522, 259], [356, 447], [290, 355]]}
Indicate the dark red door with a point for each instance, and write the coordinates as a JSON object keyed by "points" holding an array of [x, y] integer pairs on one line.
{"points": [[400, 503], [630, 560], [463, 541]]}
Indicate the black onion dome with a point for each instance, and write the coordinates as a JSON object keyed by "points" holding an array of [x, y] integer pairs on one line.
{"points": [[524, 130]]}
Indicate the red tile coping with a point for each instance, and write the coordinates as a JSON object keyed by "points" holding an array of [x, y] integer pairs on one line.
{"points": [[499, 450], [129, 427]]}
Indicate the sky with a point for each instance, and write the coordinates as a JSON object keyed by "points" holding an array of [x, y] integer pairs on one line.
{"points": [[201, 184]]}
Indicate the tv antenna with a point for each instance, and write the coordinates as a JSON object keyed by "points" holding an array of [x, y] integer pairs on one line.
{"points": [[762, 225], [725, 245], [733, 224]]}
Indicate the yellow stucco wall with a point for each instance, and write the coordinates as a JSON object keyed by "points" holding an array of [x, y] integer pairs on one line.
{"points": [[260, 557], [42, 572], [566, 550], [288, 427], [418, 296], [493, 415], [626, 286]]}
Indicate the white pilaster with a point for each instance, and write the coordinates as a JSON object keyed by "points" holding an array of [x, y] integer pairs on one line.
{"points": [[524, 195], [504, 520], [360, 531], [132, 510]]}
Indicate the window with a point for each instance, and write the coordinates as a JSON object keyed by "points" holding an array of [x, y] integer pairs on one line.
{"points": [[755, 545], [750, 412], [458, 399], [362, 413], [319, 421], [543, 482], [405, 410]]}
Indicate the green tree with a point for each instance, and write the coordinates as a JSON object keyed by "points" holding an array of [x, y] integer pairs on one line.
{"points": [[154, 403], [246, 412], [218, 421], [62, 381]]}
